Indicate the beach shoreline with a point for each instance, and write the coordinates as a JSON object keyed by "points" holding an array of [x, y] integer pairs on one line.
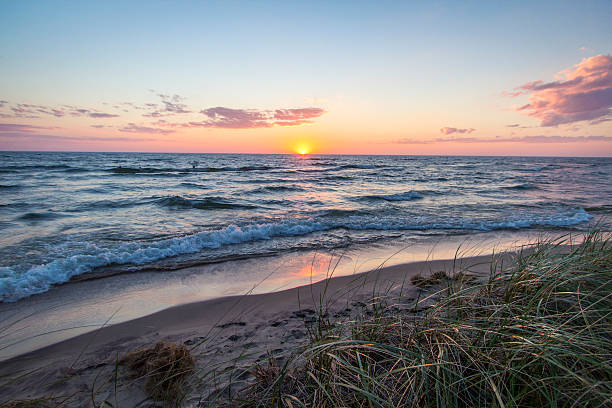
{"points": [[256, 324], [75, 308]]}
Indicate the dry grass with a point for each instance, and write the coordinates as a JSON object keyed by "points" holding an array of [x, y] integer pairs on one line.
{"points": [[165, 367], [534, 335], [438, 277]]}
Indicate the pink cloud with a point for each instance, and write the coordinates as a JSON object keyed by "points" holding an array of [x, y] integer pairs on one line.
{"points": [[235, 118], [511, 139], [101, 115], [583, 93], [45, 137], [134, 128], [17, 127], [28, 110], [298, 114], [221, 117], [170, 105], [450, 130]]}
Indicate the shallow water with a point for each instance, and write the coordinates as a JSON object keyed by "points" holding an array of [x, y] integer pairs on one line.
{"points": [[67, 214], [76, 308]]}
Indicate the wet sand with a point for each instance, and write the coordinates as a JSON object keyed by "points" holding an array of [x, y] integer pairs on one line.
{"points": [[218, 331]]}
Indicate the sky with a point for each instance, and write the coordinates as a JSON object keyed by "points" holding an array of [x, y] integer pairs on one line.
{"points": [[431, 77]]}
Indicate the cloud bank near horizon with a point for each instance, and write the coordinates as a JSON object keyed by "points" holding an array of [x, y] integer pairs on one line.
{"points": [[511, 139], [167, 113], [451, 130]]}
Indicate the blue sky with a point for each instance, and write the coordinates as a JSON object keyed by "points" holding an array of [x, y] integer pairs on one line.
{"points": [[391, 70]]}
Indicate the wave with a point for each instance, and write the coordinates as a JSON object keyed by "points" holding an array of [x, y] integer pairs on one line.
{"points": [[37, 167], [76, 170], [105, 204], [522, 186], [209, 203], [338, 212], [40, 216], [196, 185], [232, 169], [542, 168], [140, 170], [407, 196], [16, 283], [9, 186], [337, 178], [162, 170], [353, 167], [267, 189], [606, 208]]}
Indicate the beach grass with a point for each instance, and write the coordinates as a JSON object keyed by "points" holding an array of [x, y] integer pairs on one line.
{"points": [[537, 333]]}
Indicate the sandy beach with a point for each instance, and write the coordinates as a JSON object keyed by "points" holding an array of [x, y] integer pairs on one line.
{"points": [[305, 204], [219, 333]]}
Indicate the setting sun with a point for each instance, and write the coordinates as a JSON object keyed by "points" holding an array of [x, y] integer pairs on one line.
{"points": [[302, 148]]}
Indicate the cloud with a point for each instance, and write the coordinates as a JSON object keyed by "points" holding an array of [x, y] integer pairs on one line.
{"points": [[21, 136], [583, 94], [134, 128], [17, 127], [292, 122], [2, 103], [28, 110], [298, 114], [216, 117], [76, 111], [228, 118], [170, 105], [101, 115], [221, 117], [450, 130], [511, 139]]}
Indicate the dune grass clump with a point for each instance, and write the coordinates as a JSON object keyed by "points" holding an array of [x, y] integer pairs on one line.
{"points": [[536, 334], [165, 368], [435, 278]]}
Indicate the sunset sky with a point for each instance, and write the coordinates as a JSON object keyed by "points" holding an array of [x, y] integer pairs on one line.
{"points": [[431, 77]]}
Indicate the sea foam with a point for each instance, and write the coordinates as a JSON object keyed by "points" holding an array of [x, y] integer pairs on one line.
{"points": [[16, 283]]}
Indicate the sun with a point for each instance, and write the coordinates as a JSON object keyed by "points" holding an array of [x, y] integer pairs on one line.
{"points": [[302, 148]]}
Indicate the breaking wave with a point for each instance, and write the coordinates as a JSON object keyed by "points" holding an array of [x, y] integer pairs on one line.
{"points": [[16, 283]]}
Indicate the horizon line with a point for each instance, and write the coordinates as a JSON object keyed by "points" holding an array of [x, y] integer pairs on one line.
{"points": [[300, 155]]}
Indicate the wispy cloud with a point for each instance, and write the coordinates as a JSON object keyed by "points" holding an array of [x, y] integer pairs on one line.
{"points": [[21, 136], [583, 94], [170, 105], [21, 128], [32, 111], [451, 130], [221, 117], [134, 128], [101, 115], [216, 117], [228, 118], [511, 139]]}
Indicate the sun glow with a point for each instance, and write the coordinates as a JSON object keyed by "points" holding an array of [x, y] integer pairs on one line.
{"points": [[302, 148]]}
